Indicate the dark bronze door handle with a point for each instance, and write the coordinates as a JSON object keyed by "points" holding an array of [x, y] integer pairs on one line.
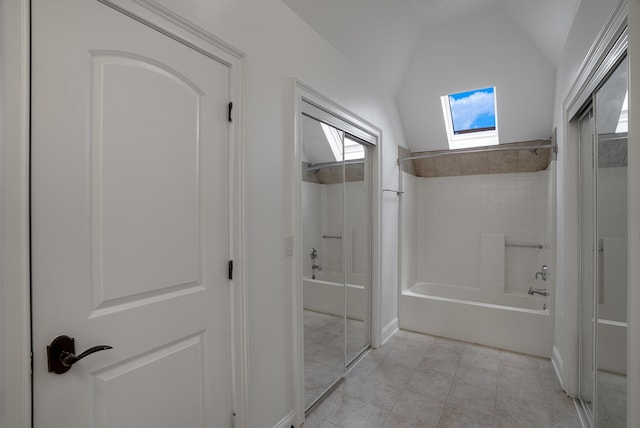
{"points": [[61, 354]]}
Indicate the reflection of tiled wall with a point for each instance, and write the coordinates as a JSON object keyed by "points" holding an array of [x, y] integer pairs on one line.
{"points": [[612, 150], [406, 166], [333, 174], [459, 164]]}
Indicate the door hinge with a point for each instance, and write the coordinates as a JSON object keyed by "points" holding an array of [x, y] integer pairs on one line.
{"points": [[31, 361], [230, 109], [230, 269]]}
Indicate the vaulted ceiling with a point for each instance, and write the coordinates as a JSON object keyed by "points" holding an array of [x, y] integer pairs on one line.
{"points": [[381, 35], [405, 46]]}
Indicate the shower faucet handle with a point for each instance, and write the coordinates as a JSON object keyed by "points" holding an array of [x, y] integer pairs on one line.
{"points": [[543, 272], [313, 254]]}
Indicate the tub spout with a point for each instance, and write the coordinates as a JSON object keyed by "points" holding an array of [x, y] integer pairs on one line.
{"points": [[540, 291], [316, 267]]}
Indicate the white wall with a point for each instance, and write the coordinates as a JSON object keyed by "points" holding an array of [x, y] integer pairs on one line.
{"points": [[455, 212], [280, 46], [592, 15], [476, 52]]}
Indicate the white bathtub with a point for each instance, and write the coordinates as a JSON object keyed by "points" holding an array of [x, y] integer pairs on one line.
{"points": [[328, 297], [514, 322]]}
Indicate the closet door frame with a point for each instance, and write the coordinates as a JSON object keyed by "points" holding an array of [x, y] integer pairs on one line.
{"points": [[600, 59], [604, 57], [360, 128]]}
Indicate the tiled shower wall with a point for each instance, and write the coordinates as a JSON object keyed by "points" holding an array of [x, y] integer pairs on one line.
{"points": [[449, 214], [322, 215]]}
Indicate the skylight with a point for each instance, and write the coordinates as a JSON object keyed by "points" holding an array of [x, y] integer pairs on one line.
{"points": [[470, 118], [352, 149], [623, 120]]}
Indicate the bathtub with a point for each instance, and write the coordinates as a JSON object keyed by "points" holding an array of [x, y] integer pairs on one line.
{"points": [[514, 322], [327, 296]]}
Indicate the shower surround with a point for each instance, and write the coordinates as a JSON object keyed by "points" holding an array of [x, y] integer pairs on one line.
{"points": [[470, 253]]}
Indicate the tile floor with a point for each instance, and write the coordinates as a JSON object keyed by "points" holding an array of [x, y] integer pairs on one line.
{"points": [[612, 400], [324, 350], [416, 380]]}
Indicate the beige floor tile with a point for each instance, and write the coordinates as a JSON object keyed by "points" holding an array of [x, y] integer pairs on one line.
{"points": [[330, 405], [356, 414], [480, 357], [315, 421], [524, 388], [423, 381], [519, 360], [447, 367], [472, 398], [520, 412], [478, 377], [395, 420], [432, 384], [391, 375], [375, 394], [418, 408], [406, 358], [443, 351], [460, 417]]}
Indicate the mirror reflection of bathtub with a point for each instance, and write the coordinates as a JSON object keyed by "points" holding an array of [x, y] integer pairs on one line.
{"points": [[326, 296], [336, 238]]}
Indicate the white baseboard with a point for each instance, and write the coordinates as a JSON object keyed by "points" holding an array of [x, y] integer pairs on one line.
{"points": [[287, 421], [389, 330]]}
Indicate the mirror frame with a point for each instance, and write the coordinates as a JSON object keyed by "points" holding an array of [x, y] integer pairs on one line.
{"points": [[303, 92]]}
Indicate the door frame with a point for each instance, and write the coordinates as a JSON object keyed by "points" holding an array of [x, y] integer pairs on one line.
{"points": [[303, 92], [14, 226], [592, 70], [15, 197]]}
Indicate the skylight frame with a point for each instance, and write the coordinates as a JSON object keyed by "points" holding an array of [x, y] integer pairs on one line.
{"points": [[469, 138], [342, 146], [623, 119]]}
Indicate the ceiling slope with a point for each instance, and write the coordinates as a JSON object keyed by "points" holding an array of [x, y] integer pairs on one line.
{"points": [[380, 36]]}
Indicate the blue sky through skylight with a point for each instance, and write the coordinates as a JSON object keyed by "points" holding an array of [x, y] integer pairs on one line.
{"points": [[473, 110]]}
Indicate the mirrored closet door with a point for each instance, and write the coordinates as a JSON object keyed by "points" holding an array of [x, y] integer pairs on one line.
{"points": [[603, 250], [336, 221]]}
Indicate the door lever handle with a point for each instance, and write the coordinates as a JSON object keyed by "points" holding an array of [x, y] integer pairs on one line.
{"points": [[68, 359], [61, 354]]}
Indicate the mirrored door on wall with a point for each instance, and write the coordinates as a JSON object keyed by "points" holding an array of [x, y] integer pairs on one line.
{"points": [[357, 245], [611, 112], [587, 274], [336, 239], [603, 251], [323, 275]]}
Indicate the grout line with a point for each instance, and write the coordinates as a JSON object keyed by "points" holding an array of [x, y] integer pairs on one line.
{"points": [[453, 379], [495, 406]]}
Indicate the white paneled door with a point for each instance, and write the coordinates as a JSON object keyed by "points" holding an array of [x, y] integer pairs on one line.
{"points": [[130, 223]]}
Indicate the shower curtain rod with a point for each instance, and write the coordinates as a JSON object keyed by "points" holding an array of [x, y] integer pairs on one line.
{"points": [[315, 166], [484, 149]]}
